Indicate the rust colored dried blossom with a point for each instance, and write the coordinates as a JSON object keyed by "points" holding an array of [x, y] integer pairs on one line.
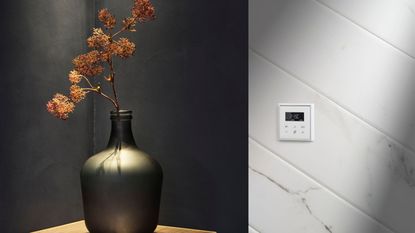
{"points": [[106, 18], [74, 77], [123, 48], [129, 24], [106, 54], [143, 10], [60, 106], [98, 39], [104, 46], [77, 93], [88, 64]]}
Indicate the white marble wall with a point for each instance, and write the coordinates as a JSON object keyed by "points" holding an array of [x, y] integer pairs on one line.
{"points": [[355, 61]]}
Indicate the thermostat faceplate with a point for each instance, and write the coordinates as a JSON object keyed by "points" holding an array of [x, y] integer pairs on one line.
{"points": [[296, 122]]}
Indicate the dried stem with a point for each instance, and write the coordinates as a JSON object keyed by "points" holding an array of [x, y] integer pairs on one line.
{"points": [[96, 90], [124, 28], [112, 80], [111, 66], [112, 77], [102, 94], [104, 45], [87, 80], [121, 30]]}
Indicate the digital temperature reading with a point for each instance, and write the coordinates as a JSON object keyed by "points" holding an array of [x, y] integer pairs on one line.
{"points": [[294, 116], [296, 122]]}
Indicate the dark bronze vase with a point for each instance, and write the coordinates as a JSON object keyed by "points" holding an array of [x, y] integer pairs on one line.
{"points": [[121, 185]]}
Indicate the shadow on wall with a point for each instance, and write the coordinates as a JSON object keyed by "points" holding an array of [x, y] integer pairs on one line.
{"points": [[187, 89]]}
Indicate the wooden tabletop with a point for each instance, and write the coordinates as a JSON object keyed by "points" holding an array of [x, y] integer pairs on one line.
{"points": [[79, 227]]}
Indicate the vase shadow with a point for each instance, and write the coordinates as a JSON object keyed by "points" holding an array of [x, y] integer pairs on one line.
{"points": [[115, 153]]}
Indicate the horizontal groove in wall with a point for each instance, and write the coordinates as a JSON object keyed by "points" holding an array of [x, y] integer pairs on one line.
{"points": [[365, 29], [363, 120], [323, 186]]}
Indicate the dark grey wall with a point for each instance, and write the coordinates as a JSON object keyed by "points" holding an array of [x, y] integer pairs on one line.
{"points": [[187, 86], [40, 157]]}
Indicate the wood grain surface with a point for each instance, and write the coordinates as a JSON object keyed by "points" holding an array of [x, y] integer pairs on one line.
{"points": [[79, 227]]}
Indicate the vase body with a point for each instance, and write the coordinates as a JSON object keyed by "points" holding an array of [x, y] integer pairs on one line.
{"points": [[121, 185]]}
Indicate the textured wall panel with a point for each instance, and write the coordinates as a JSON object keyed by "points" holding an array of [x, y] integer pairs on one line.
{"points": [[391, 20], [356, 161], [357, 70], [295, 203]]}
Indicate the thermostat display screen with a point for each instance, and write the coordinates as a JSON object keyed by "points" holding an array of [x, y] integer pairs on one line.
{"points": [[294, 116]]}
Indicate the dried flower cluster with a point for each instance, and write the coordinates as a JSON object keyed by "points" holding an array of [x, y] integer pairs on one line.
{"points": [[74, 77], [60, 106], [98, 39], [123, 48], [104, 46], [106, 18], [88, 64], [143, 11], [77, 93]]}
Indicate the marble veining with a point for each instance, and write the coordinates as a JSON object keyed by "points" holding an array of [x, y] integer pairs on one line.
{"points": [[299, 193], [280, 192], [368, 169], [346, 58]]}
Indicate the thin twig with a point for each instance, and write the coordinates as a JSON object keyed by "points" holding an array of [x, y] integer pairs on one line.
{"points": [[124, 28], [112, 80], [103, 94], [121, 30], [112, 72], [87, 80]]}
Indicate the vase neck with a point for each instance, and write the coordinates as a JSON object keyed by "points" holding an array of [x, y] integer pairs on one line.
{"points": [[121, 129]]}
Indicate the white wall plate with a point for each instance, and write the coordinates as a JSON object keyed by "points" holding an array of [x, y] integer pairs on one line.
{"points": [[296, 122]]}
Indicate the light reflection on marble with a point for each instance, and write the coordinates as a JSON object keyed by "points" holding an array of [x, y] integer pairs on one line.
{"points": [[357, 162], [354, 68]]}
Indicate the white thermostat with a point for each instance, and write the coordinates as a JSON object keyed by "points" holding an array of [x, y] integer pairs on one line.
{"points": [[296, 122]]}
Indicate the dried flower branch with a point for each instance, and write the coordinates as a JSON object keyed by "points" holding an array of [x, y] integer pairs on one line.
{"points": [[105, 46], [123, 48], [143, 11], [60, 106], [98, 39], [88, 64], [106, 18], [77, 93], [74, 77]]}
